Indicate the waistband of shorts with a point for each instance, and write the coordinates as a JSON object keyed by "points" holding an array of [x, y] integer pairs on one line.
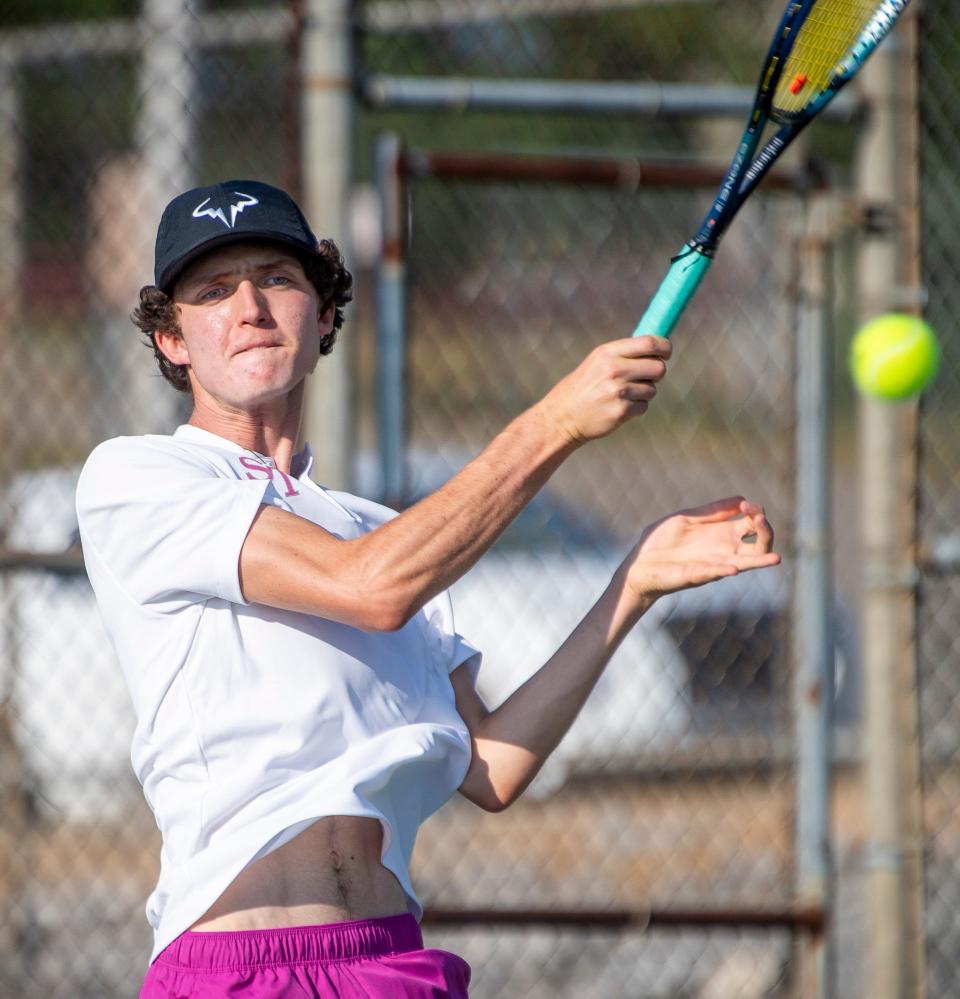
{"points": [[202, 951]]}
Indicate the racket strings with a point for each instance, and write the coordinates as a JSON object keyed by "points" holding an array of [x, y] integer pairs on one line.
{"points": [[829, 31]]}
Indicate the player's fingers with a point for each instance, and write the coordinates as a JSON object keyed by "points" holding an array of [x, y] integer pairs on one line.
{"points": [[716, 510], [757, 530], [633, 409], [642, 346], [638, 391], [759, 561], [648, 369], [645, 369], [761, 534]]}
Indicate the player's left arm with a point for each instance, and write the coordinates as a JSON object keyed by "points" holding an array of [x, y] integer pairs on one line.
{"points": [[687, 549]]}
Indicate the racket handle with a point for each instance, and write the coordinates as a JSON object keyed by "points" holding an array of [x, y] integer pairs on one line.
{"points": [[677, 288]]}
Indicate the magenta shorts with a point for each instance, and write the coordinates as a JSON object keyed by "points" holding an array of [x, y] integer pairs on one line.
{"points": [[366, 959]]}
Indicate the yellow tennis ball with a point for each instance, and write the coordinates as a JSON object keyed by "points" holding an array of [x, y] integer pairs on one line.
{"points": [[894, 356]]}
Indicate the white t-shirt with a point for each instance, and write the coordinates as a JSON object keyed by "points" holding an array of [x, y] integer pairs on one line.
{"points": [[253, 722]]}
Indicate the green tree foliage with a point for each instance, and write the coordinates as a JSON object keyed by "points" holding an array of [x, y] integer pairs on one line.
{"points": [[22, 13], [675, 42]]}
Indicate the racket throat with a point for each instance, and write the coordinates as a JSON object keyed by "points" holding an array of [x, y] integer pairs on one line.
{"points": [[687, 270], [696, 245]]}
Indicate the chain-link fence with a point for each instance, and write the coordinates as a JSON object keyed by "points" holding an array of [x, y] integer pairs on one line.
{"points": [[939, 500], [687, 745], [676, 787], [688, 737], [106, 110]]}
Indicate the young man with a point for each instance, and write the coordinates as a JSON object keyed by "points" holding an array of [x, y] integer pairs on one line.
{"points": [[303, 699]]}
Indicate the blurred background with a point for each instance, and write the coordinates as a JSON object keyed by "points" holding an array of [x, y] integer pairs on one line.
{"points": [[761, 797]]}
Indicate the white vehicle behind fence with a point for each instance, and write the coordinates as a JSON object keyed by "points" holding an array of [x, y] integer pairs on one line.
{"points": [[72, 716]]}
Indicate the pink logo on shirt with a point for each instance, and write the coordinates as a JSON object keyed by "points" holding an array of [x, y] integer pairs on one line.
{"points": [[254, 465]]}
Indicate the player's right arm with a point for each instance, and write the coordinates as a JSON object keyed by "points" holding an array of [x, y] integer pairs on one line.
{"points": [[379, 580]]}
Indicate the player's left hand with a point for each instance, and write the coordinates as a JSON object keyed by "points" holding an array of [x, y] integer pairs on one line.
{"points": [[697, 546]]}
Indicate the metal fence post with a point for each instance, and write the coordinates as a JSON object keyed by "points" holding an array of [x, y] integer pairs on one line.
{"points": [[165, 139], [11, 225], [888, 280], [813, 644], [327, 145], [391, 322], [166, 128], [14, 805], [11, 152]]}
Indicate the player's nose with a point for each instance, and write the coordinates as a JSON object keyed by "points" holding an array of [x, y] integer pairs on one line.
{"points": [[251, 304]]}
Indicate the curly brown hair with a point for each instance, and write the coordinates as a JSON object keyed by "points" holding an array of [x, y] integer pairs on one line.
{"points": [[325, 270]]}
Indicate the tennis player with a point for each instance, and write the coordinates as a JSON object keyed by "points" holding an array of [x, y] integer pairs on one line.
{"points": [[303, 698]]}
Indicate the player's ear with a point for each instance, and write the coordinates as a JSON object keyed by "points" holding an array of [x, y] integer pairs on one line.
{"points": [[172, 346], [326, 314]]}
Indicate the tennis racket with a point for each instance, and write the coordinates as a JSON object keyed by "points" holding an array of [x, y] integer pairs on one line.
{"points": [[818, 48]]}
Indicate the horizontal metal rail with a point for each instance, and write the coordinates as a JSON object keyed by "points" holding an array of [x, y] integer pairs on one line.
{"points": [[82, 39], [276, 25], [649, 100], [795, 918], [67, 563], [273, 24], [627, 172], [421, 15]]}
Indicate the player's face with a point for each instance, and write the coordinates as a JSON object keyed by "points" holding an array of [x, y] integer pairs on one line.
{"points": [[250, 323]]}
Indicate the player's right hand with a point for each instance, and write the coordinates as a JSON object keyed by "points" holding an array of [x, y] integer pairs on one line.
{"points": [[613, 384]]}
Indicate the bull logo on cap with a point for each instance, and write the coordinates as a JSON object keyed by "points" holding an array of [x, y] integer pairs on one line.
{"points": [[246, 200]]}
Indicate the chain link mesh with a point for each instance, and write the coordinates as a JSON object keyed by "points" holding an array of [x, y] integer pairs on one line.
{"points": [[938, 640], [657, 796], [675, 787], [87, 163]]}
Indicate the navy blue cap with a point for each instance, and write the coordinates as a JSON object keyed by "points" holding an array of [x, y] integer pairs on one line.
{"points": [[207, 217]]}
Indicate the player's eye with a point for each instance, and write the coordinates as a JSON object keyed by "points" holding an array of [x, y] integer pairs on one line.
{"points": [[209, 294], [280, 279]]}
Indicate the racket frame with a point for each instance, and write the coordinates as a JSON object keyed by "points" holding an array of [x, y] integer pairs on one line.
{"points": [[729, 198], [876, 29], [690, 265]]}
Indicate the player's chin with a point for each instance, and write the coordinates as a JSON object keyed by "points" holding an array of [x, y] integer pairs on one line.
{"points": [[270, 372], [262, 387]]}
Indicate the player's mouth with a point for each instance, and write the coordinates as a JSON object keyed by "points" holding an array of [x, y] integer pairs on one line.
{"points": [[256, 345]]}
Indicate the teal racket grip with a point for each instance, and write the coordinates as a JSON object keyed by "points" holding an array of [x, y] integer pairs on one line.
{"points": [[677, 288]]}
